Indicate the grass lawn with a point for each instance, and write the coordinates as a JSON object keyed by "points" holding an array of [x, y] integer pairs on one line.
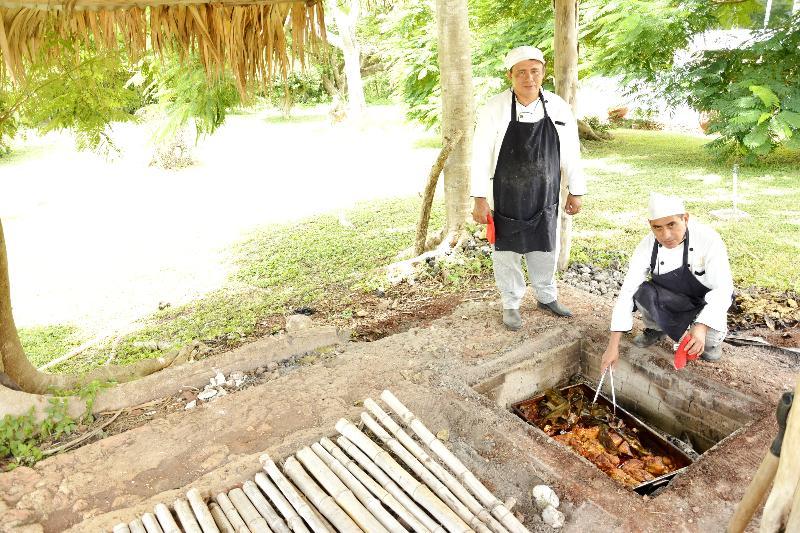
{"points": [[284, 267], [764, 249]]}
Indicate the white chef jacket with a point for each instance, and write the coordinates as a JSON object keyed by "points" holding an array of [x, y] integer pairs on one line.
{"points": [[493, 119], [708, 260]]}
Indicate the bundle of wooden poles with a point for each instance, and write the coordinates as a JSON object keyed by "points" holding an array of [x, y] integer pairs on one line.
{"points": [[380, 480]]}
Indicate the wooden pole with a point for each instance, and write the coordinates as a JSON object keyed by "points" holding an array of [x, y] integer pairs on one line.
{"points": [[787, 478], [274, 521], [293, 496], [381, 486], [484, 495], [231, 513], [322, 501], [137, 526], [166, 520], [119, 528], [150, 523], [418, 491], [450, 141], [220, 519], [342, 495], [361, 492], [424, 474], [254, 521], [441, 473], [201, 511], [565, 50], [186, 516], [293, 520]]}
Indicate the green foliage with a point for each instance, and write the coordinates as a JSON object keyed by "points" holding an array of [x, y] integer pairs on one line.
{"points": [[304, 88], [21, 436], [752, 93], [184, 92], [44, 343], [80, 88]]}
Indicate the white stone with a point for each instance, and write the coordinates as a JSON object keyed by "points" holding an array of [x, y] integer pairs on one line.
{"points": [[219, 379], [544, 497], [191, 405], [297, 322], [553, 517], [207, 394]]}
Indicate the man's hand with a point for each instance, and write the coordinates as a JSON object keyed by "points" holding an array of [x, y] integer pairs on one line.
{"points": [[480, 210], [573, 205], [697, 345], [611, 355]]}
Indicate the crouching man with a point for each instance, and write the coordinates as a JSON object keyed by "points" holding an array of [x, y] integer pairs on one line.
{"points": [[679, 278]]}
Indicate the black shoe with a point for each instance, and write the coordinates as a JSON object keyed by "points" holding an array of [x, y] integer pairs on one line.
{"points": [[648, 337], [556, 308]]}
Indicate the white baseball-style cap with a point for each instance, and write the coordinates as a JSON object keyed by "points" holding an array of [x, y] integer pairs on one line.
{"points": [[662, 206], [521, 53]]}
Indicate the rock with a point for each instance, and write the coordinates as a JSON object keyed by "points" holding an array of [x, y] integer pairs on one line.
{"points": [[361, 313], [219, 379], [221, 392], [297, 323], [553, 517], [238, 378], [191, 405], [207, 394], [272, 366], [260, 370], [544, 497], [80, 505], [274, 375], [443, 435], [695, 509]]}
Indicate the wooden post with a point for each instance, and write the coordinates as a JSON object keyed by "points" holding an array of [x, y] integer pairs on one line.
{"points": [[565, 71]]}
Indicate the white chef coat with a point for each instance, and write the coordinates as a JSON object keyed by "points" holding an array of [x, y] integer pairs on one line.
{"points": [[493, 119], [708, 260]]}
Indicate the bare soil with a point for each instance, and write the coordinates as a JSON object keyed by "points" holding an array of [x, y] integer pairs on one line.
{"points": [[433, 352]]}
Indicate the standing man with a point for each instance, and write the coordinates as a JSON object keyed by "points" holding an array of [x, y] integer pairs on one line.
{"points": [[677, 283], [525, 137]]}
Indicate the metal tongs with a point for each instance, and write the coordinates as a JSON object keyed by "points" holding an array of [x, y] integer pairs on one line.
{"points": [[610, 372]]}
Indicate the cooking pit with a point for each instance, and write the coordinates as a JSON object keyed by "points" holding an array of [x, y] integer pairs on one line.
{"points": [[666, 419]]}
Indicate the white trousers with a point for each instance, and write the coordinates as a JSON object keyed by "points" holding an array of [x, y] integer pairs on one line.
{"points": [[713, 337], [511, 282]]}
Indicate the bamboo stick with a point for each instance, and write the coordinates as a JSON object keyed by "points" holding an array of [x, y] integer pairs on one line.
{"points": [[150, 523], [291, 494], [258, 500], [231, 513], [387, 482], [436, 469], [793, 522], [137, 526], [220, 519], [326, 505], [186, 516], [362, 493], [469, 480], [424, 474], [418, 491], [293, 520], [166, 520], [249, 514], [201, 512], [121, 528], [382, 487], [342, 495]]}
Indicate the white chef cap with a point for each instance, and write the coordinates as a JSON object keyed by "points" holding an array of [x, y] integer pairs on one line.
{"points": [[521, 53], [663, 206]]}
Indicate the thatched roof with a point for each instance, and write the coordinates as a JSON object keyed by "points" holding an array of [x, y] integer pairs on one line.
{"points": [[255, 39]]}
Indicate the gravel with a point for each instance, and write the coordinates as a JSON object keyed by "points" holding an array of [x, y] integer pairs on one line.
{"points": [[603, 281]]}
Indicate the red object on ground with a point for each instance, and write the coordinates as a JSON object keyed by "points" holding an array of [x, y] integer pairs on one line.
{"points": [[490, 229], [681, 355]]}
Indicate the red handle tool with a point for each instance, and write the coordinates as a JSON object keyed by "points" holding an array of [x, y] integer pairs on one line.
{"points": [[490, 229], [681, 355]]}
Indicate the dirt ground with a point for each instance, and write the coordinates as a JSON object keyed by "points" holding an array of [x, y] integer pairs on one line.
{"points": [[432, 367]]}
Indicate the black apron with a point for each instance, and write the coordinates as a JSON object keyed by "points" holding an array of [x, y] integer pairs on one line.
{"points": [[526, 185], [673, 299]]}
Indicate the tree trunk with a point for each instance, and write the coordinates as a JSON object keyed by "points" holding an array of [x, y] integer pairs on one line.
{"points": [[565, 45], [348, 43], [19, 370], [455, 65]]}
